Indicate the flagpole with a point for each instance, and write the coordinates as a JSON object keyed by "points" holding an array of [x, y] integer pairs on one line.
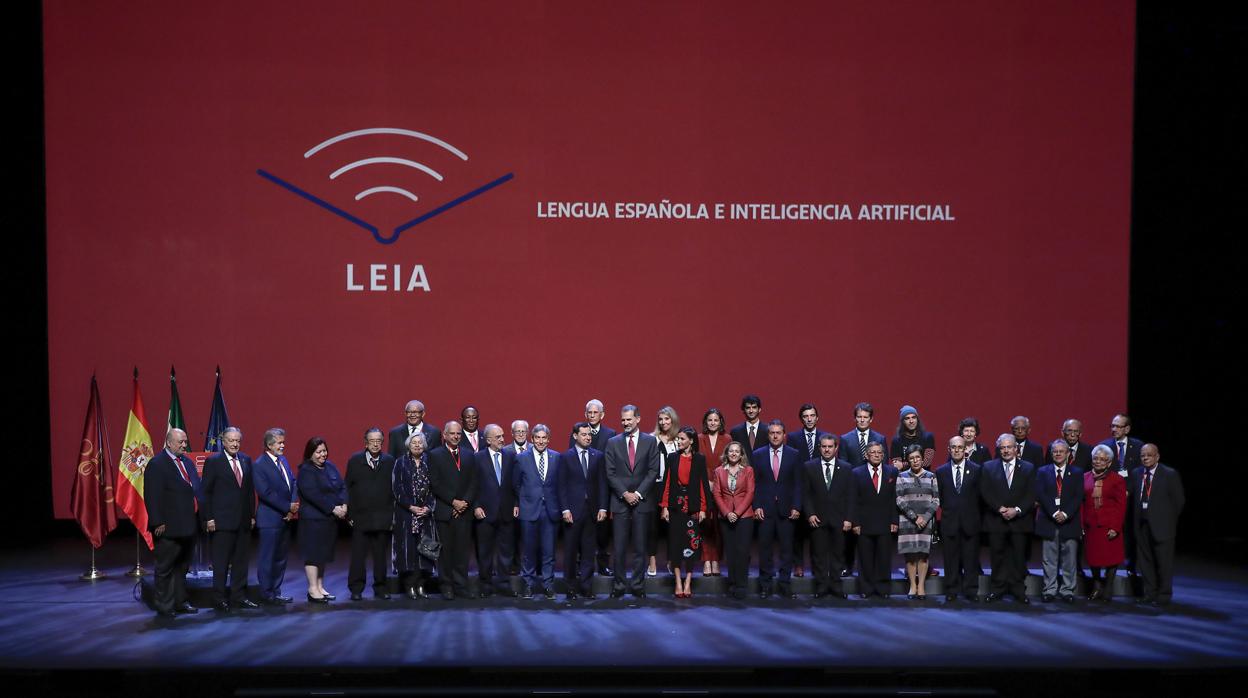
{"points": [[94, 573], [137, 570]]}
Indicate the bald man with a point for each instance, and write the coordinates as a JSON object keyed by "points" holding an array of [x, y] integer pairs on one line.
{"points": [[170, 488], [1156, 493], [413, 421]]}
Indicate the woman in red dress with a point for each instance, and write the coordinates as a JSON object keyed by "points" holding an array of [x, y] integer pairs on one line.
{"points": [[1104, 510], [711, 443]]}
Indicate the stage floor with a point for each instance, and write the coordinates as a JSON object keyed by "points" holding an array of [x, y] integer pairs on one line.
{"points": [[51, 620]]}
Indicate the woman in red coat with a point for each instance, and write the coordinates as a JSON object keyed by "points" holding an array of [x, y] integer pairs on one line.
{"points": [[1104, 511], [711, 443]]}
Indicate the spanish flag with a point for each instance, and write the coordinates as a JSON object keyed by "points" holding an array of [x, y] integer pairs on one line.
{"points": [[136, 453]]}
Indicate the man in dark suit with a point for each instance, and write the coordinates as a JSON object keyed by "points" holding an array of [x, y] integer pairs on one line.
{"points": [[469, 419], [230, 514], [1080, 453], [537, 509], [582, 503], [453, 482], [1059, 525], [275, 515], [806, 442], [1126, 448], [1156, 494], [519, 437], [778, 483], [961, 514], [1025, 450], [1008, 490], [370, 508], [826, 508], [494, 510], [594, 412], [855, 441], [632, 462], [751, 433], [170, 486], [414, 421], [873, 511]]}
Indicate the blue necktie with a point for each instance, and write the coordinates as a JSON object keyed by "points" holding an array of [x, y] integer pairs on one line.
{"points": [[498, 469]]}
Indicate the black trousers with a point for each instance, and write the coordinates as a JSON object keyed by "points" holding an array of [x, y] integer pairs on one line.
{"points": [[1008, 550], [801, 535], [173, 560], [495, 551], [961, 563], [230, 552], [827, 547], [364, 544], [580, 540], [604, 543], [775, 536], [630, 529], [456, 537], [875, 558], [1154, 560], [736, 540]]}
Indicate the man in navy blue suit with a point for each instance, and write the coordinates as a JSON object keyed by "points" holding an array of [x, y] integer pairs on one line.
{"points": [[855, 441], [275, 514], [1126, 448], [1008, 490], [170, 487], [750, 433], [1059, 498], [537, 508], [778, 482], [583, 504], [594, 412], [494, 512], [961, 520], [806, 442], [230, 514]]}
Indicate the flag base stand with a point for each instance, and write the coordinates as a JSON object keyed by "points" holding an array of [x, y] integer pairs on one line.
{"points": [[92, 574], [136, 571]]}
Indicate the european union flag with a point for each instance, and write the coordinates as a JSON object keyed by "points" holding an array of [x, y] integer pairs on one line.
{"points": [[218, 420]]}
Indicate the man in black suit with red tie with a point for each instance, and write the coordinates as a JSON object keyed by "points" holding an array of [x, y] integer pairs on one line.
{"points": [[1009, 493], [778, 484], [961, 520], [453, 482], [826, 510], [494, 513], [230, 513], [370, 508], [873, 511], [170, 486], [751, 433], [1080, 453], [1157, 499], [582, 489]]}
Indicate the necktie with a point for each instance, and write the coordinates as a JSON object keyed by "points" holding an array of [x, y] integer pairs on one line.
{"points": [[632, 453], [282, 470], [862, 443], [1148, 486], [472, 439], [751, 437], [810, 444], [1059, 482], [957, 478], [827, 474], [775, 464], [1122, 452], [455, 455], [238, 472], [585, 464], [498, 468], [875, 478], [1009, 474], [372, 463], [541, 465]]}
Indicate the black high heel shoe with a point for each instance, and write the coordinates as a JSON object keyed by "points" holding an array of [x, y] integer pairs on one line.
{"points": [[314, 599]]}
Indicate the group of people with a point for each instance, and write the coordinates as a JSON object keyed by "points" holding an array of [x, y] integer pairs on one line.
{"points": [[420, 499]]}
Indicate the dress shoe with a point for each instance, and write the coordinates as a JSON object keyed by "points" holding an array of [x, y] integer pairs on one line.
{"points": [[617, 593], [316, 599], [283, 599], [247, 603], [1047, 598], [589, 596], [864, 597], [1068, 599], [640, 594], [992, 598], [383, 595], [185, 608], [449, 595], [922, 597], [1024, 600], [486, 592], [330, 596], [912, 597], [357, 596], [786, 592], [221, 607], [604, 571], [549, 593], [818, 595], [1095, 595], [571, 595], [764, 593], [527, 593], [950, 598]]}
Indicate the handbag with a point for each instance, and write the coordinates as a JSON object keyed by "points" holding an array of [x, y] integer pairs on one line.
{"points": [[430, 547]]}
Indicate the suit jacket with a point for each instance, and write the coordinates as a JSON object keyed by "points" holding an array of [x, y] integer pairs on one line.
{"points": [[875, 511], [741, 435], [581, 495], [370, 494], [740, 502], [850, 450], [981, 454], [996, 493], [169, 498], [961, 512], [398, 435], [229, 505], [777, 497], [1029, 451], [320, 490], [466, 444], [1082, 459], [1072, 502], [1165, 502], [599, 442], [830, 505], [449, 481], [536, 497], [641, 479], [272, 490], [1133, 453], [797, 441], [496, 499], [699, 487]]}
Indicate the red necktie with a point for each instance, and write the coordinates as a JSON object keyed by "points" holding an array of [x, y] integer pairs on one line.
{"points": [[875, 477], [238, 472], [632, 453], [455, 453]]}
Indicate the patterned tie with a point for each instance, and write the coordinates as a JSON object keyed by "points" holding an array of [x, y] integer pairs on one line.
{"points": [[498, 468], [827, 474], [957, 478], [541, 465], [810, 444], [862, 443], [238, 472]]}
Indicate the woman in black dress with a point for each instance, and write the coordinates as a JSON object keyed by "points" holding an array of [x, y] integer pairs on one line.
{"points": [[684, 508], [413, 517], [323, 496]]}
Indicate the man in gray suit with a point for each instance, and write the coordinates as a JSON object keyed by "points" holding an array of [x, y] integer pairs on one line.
{"points": [[632, 462]]}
